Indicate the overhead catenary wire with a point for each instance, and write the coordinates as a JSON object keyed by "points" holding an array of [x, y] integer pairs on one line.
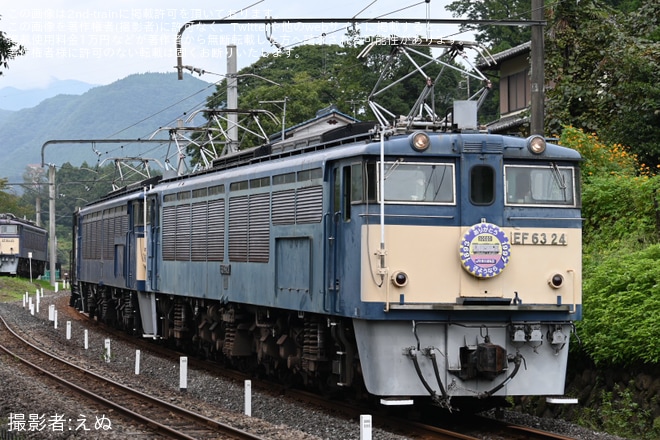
{"points": [[322, 36]]}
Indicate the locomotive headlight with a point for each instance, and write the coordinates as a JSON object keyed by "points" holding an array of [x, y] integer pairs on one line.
{"points": [[399, 279], [420, 141], [556, 281], [536, 144]]}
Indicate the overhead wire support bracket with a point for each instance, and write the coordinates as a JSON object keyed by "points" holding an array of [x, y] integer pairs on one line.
{"points": [[268, 21], [208, 138]]}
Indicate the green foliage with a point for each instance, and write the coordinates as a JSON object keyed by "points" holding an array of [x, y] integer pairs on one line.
{"points": [[617, 413], [620, 215], [12, 203], [8, 50], [600, 159], [621, 304], [498, 38], [605, 75], [619, 198], [621, 294], [576, 44], [13, 288], [632, 69]]}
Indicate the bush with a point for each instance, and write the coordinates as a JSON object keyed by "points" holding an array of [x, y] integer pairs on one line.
{"points": [[618, 413], [599, 159], [621, 294], [621, 309], [620, 214]]}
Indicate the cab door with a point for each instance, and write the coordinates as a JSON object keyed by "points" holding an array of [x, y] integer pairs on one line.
{"points": [[153, 229], [333, 230], [482, 194], [484, 250], [137, 245], [341, 235]]}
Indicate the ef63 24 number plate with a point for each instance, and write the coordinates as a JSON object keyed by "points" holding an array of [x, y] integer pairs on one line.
{"points": [[538, 238]]}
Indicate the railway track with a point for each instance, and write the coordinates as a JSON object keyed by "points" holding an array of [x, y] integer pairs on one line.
{"points": [[471, 428], [495, 429], [161, 417], [474, 428], [456, 427]]}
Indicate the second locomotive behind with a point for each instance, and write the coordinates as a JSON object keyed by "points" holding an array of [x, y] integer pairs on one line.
{"points": [[23, 247]]}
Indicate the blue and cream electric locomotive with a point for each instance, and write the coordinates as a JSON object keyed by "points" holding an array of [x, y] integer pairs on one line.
{"points": [[410, 261], [23, 247]]}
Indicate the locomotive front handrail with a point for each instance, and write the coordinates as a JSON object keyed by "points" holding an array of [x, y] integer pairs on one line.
{"points": [[459, 307], [444, 217], [546, 218]]}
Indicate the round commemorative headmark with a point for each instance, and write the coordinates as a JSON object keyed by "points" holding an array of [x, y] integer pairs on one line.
{"points": [[485, 250]]}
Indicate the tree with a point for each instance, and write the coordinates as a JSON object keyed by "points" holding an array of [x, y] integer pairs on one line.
{"points": [[576, 43], [11, 203], [312, 77], [604, 67], [8, 50], [496, 38], [633, 73]]}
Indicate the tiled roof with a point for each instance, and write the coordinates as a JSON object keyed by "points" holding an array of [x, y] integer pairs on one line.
{"points": [[505, 55]]}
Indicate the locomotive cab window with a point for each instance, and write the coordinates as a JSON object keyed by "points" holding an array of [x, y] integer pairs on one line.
{"points": [[138, 213], [9, 229], [419, 183], [548, 185], [482, 185], [348, 189], [357, 185]]}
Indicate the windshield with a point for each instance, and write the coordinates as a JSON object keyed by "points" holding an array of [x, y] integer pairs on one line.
{"points": [[9, 229], [540, 185], [419, 182]]}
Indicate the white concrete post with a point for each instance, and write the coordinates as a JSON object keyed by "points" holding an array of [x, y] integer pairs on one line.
{"points": [[365, 427], [183, 373], [248, 398], [107, 350]]}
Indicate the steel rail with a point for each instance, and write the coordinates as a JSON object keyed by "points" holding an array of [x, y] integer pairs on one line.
{"points": [[155, 425]]}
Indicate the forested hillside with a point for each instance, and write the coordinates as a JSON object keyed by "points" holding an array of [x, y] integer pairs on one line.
{"points": [[131, 108]]}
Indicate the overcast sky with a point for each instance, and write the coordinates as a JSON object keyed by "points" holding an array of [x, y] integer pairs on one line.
{"points": [[99, 42]]}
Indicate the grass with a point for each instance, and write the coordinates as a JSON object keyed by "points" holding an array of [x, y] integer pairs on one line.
{"points": [[13, 288]]}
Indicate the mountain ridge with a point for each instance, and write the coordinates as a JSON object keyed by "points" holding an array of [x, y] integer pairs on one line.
{"points": [[130, 108], [14, 99]]}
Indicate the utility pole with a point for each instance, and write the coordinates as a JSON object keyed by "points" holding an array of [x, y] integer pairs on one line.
{"points": [[232, 99], [51, 223], [537, 117]]}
